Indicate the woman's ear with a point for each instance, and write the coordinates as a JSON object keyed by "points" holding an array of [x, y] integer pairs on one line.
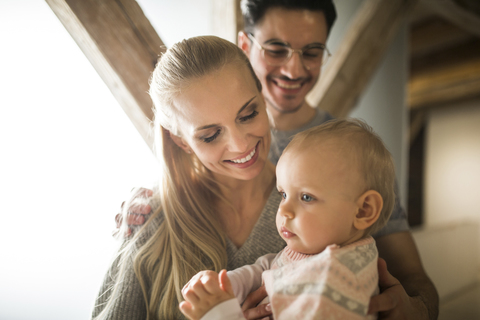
{"points": [[370, 206], [244, 43], [181, 143]]}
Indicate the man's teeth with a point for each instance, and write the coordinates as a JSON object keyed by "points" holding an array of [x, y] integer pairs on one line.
{"points": [[289, 86], [247, 158]]}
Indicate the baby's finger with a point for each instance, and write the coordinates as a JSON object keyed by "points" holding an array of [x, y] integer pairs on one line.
{"points": [[190, 295], [193, 279], [210, 282], [199, 288], [224, 281], [187, 309]]}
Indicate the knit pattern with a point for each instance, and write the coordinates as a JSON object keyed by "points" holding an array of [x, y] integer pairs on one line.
{"points": [[335, 284]]}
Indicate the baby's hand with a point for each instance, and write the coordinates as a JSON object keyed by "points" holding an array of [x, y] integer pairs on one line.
{"points": [[203, 292]]}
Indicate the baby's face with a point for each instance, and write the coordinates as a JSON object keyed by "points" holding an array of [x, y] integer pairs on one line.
{"points": [[320, 189]]}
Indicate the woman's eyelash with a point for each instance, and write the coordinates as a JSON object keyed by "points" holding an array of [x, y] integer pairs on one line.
{"points": [[250, 116], [243, 119], [211, 138]]}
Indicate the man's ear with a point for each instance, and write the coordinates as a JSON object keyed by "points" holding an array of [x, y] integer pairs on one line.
{"points": [[244, 43], [370, 206], [181, 143]]}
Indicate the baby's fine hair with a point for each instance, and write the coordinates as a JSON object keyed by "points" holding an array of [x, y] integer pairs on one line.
{"points": [[362, 145]]}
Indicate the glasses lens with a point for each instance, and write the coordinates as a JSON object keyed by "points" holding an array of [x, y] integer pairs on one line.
{"points": [[314, 57], [276, 55]]}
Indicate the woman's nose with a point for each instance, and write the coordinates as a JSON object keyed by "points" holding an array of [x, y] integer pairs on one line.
{"points": [[238, 141]]}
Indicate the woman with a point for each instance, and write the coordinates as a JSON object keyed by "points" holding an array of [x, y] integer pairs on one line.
{"points": [[216, 197]]}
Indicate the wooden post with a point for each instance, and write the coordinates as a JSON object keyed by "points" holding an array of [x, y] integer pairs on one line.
{"points": [[362, 49]]}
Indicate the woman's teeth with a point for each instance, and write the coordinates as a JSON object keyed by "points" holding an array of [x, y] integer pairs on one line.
{"points": [[247, 158]]}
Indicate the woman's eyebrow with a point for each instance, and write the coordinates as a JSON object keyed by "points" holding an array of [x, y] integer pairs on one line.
{"points": [[245, 105], [215, 125]]}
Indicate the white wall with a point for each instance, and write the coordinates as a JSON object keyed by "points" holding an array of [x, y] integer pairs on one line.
{"points": [[179, 19], [450, 239], [452, 181]]}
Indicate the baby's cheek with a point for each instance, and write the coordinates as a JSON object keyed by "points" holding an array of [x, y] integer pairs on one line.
{"points": [[278, 221]]}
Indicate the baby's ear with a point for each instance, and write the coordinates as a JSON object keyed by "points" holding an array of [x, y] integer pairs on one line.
{"points": [[369, 205]]}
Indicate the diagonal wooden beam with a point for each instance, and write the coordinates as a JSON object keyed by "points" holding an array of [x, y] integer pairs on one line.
{"points": [[456, 14], [122, 46], [434, 35], [351, 67], [446, 77]]}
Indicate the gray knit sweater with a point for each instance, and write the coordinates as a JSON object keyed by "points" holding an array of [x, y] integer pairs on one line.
{"points": [[263, 239]]}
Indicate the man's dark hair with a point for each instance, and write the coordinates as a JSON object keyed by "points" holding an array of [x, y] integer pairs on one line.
{"points": [[254, 10]]}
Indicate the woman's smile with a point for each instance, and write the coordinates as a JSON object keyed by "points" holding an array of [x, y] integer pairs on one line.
{"points": [[245, 161]]}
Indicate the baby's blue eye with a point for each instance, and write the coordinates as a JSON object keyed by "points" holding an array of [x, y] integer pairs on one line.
{"points": [[306, 198], [283, 194]]}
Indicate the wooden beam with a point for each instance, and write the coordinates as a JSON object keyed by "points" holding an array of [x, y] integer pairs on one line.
{"points": [[224, 22], [456, 14], [439, 87], [122, 46], [446, 77], [238, 18], [433, 35], [364, 44], [417, 121]]}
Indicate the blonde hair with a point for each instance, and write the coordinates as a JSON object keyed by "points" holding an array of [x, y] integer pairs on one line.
{"points": [[184, 235], [361, 143]]}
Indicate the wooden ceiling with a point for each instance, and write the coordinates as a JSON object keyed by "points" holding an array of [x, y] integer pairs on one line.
{"points": [[122, 45], [444, 56], [444, 53]]}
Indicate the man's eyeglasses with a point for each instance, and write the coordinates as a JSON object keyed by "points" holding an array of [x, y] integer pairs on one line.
{"points": [[279, 53]]}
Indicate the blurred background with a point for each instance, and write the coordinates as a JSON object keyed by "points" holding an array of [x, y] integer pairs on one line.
{"points": [[70, 155]]}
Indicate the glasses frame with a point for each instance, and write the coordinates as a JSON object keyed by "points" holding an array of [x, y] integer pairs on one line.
{"points": [[291, 51]]}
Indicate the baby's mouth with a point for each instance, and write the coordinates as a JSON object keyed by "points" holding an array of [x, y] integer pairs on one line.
{"points": [[287, 233]]}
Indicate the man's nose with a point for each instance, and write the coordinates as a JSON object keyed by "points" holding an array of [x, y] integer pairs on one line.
{"points": [[295, 67]]}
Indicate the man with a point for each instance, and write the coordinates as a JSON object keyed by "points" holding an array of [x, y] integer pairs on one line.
{"points": [[285, 42]]}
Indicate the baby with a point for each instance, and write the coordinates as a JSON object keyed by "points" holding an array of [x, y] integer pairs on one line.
{"points": [[337, 187]]}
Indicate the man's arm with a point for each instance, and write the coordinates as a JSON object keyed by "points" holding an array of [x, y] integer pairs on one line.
{"points": [[404, 263]]}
